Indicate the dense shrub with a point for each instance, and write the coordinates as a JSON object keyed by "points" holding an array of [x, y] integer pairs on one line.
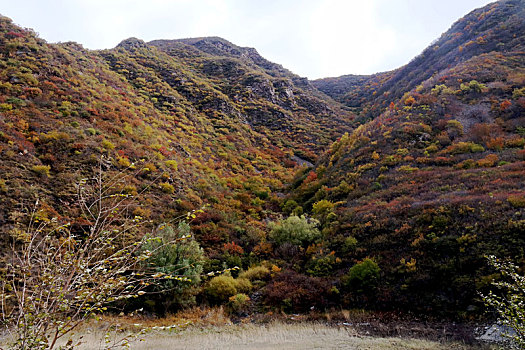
{"points": [[256, 273], [295, 230], [464, 147], [221, 288], [41, 169], [322, 266], [243, 285], [363, 277], [292, 291], [167, 188], [177, 254]]}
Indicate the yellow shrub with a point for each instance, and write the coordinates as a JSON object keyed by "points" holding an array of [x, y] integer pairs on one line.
{"points": [[488, 161], [41, 169], [167, 188], [256, 273], [516, 200]]}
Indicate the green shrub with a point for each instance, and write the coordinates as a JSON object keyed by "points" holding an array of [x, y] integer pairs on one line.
{"points": [[176, 254], [289, 206], [298, 211], [464, 147], [123, 162], [91, 131], [106, 144], [363, 276], [407, 169], [472, 85], [475, 148], [262, 194], [321, 266], [402, 151], [442, 89], [432, 148], [221, 288], [350, 244], [256, 273], [167, 188], [4, 107], [517, 93], [296, 230], [322, 208], [172, 164]]}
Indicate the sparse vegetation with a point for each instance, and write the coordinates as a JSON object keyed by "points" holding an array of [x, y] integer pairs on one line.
{"points": [[278, 335], [508, 300]]}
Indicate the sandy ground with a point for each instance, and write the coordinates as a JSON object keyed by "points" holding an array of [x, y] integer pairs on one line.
{"points": [[274, 336]]}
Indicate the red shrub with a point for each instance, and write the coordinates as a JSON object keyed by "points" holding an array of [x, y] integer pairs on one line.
{"points": [[233, 249], [293, 291]]}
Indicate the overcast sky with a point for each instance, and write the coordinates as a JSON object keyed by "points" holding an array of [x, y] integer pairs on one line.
{"points": [[313, 38]]}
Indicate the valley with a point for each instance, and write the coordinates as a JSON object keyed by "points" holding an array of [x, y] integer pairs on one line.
{"points": [[269, 192]]}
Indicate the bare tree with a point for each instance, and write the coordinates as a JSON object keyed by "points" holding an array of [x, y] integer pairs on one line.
{"points": [[58, 276]]}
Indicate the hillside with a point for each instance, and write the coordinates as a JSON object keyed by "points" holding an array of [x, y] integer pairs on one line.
{"points": [[184, 134], [381, 191], [435, 181]]}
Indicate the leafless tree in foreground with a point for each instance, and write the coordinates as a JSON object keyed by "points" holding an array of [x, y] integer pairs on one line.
{"points": [[57, 277]]}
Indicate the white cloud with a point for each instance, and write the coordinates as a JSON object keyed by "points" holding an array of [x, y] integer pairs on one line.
{"points": [[313, 38], [348, 34]]}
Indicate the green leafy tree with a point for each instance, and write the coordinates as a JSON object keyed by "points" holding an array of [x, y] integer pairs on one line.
{"points": [[509, 300], [175, 253]]}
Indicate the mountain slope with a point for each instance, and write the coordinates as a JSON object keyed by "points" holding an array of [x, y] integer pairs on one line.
{"points": [[181, 133], [435, 181], [270, 98], [406, 204]]}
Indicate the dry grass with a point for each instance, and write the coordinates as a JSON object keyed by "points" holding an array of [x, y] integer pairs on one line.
{"points": [[205, 328], [272, 336]]}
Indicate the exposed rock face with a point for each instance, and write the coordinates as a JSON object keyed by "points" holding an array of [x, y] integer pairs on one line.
{"points": [[132, 43]]}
